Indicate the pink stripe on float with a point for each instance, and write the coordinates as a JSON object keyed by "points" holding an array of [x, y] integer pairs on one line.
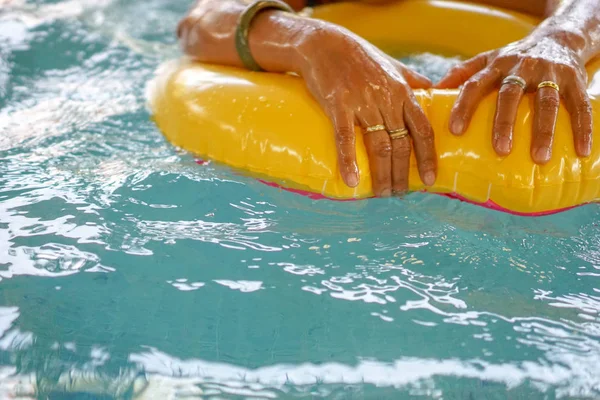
{"points": [[493, 206], [310, 195], [488, 204]]}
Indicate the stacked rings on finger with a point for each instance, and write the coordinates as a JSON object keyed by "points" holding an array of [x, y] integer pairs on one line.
{"points": [[549, 84], [375, 128], [515, 80], [398, 133]]}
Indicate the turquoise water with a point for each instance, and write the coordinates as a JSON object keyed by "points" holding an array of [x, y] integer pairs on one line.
{"points": [[128, 271]]}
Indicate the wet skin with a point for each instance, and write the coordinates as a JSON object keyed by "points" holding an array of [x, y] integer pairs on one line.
{"points": [[357, 84]]}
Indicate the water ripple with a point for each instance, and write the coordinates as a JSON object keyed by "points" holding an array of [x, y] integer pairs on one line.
{"points": [[127, 270]]}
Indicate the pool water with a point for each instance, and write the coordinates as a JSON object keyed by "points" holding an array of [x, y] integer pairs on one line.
{"points": [[129, 271]]}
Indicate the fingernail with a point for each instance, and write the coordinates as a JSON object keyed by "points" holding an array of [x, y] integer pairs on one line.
{"points": [[542, 154], [386, 193], [429, 178], [352, 180], [503, 145], [457, 127]]}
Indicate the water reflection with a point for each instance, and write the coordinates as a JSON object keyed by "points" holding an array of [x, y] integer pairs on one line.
{"points": [[129, 271]]}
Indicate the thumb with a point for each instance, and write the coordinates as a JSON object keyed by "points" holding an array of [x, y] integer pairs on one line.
{"points": [[460, 73]]}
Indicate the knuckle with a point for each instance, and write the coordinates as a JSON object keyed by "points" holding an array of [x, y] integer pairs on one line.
{"points": [[549, 103], [346, 159], [385, 98], [401, 148], [399, 90], [459, 108], [382, 179], [332, 104], [529, 63], [345, 136], [586, 138], [344, 42], [382, 149], [498, 64], [425, 136], [337, 100], [460, 114], [503, 128], [400, 185], [584, 129], [500, 61], [460, 71], [427, 165], [569, 70], [585, 135], [471, 85], [457, 69], [583, 107], [401, 179], [545, 135]]}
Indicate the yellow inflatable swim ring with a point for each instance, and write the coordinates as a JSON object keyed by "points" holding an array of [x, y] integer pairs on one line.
{"points": [[269, 125]]}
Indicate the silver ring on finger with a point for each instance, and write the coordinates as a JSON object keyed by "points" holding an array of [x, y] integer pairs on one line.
{"points": [[515, 80], [398, 133]]}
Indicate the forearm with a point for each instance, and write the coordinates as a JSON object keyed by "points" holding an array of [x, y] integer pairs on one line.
{"points": [[577, 22], [208, 35]]}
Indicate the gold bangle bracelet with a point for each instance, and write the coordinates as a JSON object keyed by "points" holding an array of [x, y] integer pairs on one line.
{"points": [[243, 28]]}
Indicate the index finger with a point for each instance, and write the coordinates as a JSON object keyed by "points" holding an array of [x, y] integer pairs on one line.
{"points": [[469, 97], [345, 140], [460, 73], [423, 141]]}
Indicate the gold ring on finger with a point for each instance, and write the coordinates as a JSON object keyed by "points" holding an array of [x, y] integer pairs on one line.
{"points": [[549, 84], [375, 128], [515, 80], [398, 133]]}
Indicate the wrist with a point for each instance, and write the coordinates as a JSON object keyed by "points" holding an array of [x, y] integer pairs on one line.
{"points": [[274, 40], [321, 40], [570, 38], [309, 40]]}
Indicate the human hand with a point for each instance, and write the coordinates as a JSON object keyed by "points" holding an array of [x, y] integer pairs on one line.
{"points": [[549, 58], [356, 83]]}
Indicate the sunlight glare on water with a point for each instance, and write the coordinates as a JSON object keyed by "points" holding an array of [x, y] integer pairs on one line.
{"points": [[129, 271]]}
